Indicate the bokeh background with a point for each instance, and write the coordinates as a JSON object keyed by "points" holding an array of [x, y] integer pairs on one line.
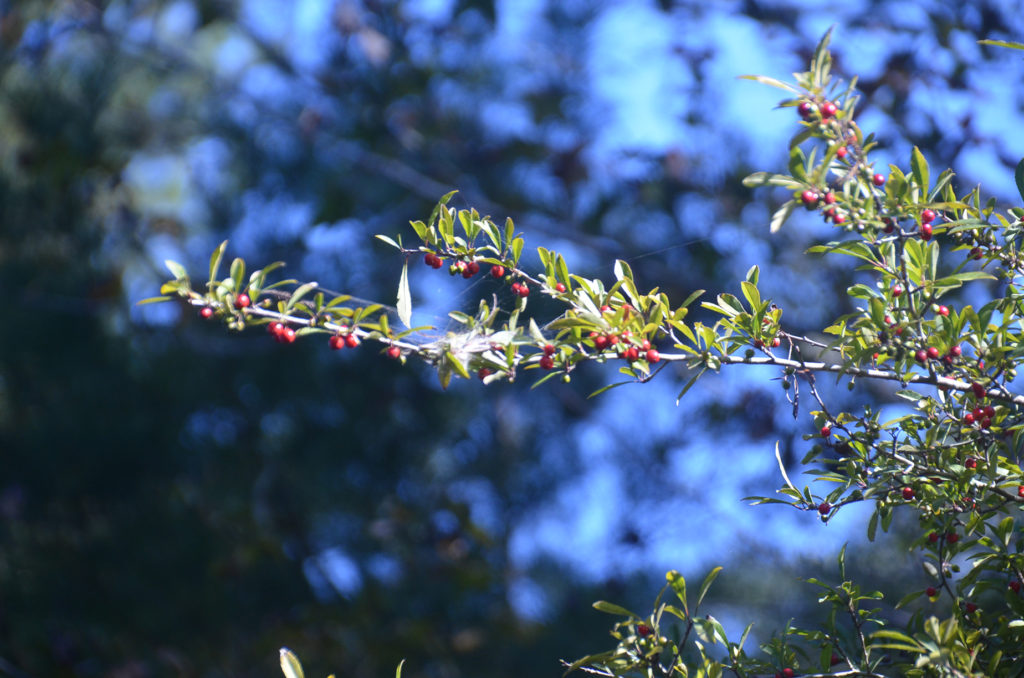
{"points": [[176, 500]]}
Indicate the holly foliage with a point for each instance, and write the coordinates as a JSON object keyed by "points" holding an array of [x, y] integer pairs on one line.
{"points": [[952, 458]]}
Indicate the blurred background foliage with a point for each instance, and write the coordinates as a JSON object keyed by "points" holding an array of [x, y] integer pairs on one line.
{"points": [[178, 501]]}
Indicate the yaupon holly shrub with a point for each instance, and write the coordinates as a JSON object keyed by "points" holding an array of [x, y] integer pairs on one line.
{"points": [[953, 460]]}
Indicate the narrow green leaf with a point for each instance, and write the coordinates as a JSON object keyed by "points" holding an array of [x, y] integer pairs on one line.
{"points": [[1018, 176], [770, 81], [678, 584], [398, 670], [1002, 43], [152, 300], [404, 305], [389, 241], [919, 168], [215, 259], [300, 291], [612, 608], [176, 269], [781, 215], [290, 665], [708, 580]]}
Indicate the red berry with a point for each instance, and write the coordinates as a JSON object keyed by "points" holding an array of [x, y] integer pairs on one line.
{"points": [[336, 342], [560, 287], [921, 355], [985, 422], [927, 217], [830, 198], [931, 592], [242, 301], [926, 232], [978, 413], [206, 313], [547, 362], [548, 349], [394, 352], [606, 309], [878, 180], [645, 345], [968, 419], [828, 109], [943, 310], [971, 608], [839, 219], [841, 152], [970, 462], [776, 342], [933, 353], [652, 356], [908, 493], [989, 411], [274, 329], [631, 354], [643, 629], [473, 267], [824, 507], [830, 213], [1015, 586], [805, 109], [889, 225], [613, 339], [288, 335], [897, 290], [955, 351], [952, 537], [428, 259], [351, 340], [976, 253], [933, 537], [826, 431], [979, 390], [524, 290], [788, 673], [809, 198], [484, 372], [836, 659], [498, 271], [1020, 491], [600, 342]]}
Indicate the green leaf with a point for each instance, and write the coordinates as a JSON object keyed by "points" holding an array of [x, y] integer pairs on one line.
{"points": [[290, 665], [770, 81], [152, 300], [689, 384], [398, 670], [300, 291], [404, 305], [176, 269], [678, 584], [781, 215], [215, 259], [1018, 176], [708, 580], [389, 241], [612, 608], [919, 168], [1002, 43]]}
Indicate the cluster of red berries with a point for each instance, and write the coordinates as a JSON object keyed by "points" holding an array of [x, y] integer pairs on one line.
{"points": [[807, 110], [547, 360], [432, 260], [521, 289], [467, 268], [982, 416], [345, 339], [630, 353], [282, 334]]}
